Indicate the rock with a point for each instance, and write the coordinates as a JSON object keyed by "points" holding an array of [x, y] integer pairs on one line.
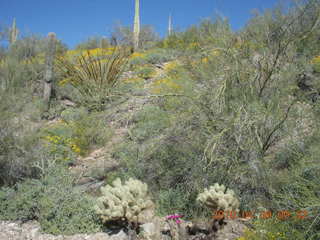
{"points": [[150, 231], [146, 216], [68, 103], [148, 228], [31, 231], [232, 230], [120, 236]]}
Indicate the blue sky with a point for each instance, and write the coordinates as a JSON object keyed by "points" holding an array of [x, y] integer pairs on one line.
{"points": [[75, 20]]}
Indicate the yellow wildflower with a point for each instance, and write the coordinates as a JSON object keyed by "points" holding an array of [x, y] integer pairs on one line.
{"points": [[137, 55]]}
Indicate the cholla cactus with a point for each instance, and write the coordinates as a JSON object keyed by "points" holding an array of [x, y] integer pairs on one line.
{"points": [[217, 198], [123, 201]]}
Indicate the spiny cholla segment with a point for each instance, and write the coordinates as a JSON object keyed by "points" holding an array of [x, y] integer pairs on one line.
{"points": [[217, 198]]}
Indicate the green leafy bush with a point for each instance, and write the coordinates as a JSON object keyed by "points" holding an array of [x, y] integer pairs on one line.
{"points": [[146, 72], [156, 56], [52, 201], [20, 149], [150, 121], [177, 200]]}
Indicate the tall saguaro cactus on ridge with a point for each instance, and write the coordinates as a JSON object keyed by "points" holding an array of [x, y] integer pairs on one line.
{"points": [[48, 77], [13, 32], [136, 27], [170, 26]]}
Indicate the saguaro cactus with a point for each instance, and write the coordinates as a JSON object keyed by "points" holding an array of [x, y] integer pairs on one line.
{"points": [[13, 32], [170, 26], [48, 77], [136, 27]]}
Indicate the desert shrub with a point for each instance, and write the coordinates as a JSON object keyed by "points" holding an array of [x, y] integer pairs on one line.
{"points": [[31, 46], [210, 32], [168, 161], [16, 75], [160, 56], [123, 35], [152, 56], [150, 122], [52, 201], [22, 67], [173, 200], [279, 228], [90, 131], [145, 72], [76, 136], [137, 59], [92, 43], [19, 141], [174, 80], [73, 114], [24, 205]]}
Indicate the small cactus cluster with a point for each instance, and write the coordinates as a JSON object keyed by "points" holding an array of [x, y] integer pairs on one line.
{"points": [[123, 201], [217, 197]]}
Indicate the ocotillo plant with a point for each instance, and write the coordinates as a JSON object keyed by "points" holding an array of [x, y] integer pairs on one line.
{"points": [[136, 27], [13, 32], [48, 76]]}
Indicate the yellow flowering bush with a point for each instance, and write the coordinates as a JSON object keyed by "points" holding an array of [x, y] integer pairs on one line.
{"points": [[56, 140], [90, 52], [137, 59], [165, 85], [316, 63], [146, 72], [205, 60], [172, 65], [137, 55], [251, 235], [63, 148], [193, 46]]}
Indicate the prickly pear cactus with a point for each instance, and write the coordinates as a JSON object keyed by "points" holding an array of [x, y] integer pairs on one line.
{"points": [[123, 201], [217, 197]]}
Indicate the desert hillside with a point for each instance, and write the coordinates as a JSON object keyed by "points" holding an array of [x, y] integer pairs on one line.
{"points": [[206, 133]]}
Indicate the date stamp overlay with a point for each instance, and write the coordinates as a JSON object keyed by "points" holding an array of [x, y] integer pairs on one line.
{"points": [[281, 215]]}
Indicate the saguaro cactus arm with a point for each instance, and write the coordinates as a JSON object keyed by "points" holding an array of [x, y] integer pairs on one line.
{"points": [[136, 27]]}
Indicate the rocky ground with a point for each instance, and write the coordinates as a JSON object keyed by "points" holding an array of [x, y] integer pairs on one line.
{"points": [[155, 230]]}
